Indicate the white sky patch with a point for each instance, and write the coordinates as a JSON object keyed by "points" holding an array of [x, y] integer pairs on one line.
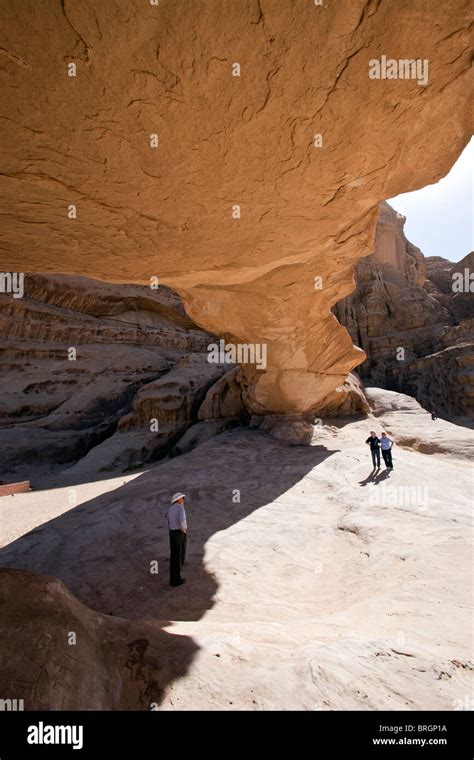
{"points": [[440, 217]]}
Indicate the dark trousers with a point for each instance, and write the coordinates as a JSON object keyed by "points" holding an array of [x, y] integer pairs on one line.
{"points": [[183, 549], [177, 539], [387, 458], [375, 457]]}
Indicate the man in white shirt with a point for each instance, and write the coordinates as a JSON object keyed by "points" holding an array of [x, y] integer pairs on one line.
{"points": [[178, 529], [386, 444]]}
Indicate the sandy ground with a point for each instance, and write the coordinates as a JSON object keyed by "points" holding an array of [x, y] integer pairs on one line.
{"points": [[311, 583], [21, 513]]}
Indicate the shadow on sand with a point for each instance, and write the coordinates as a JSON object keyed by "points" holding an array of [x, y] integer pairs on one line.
{"points": [[376, 476], [106, 549]]}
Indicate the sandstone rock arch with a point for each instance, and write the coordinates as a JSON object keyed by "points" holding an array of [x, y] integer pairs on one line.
{"points": [[305, 211]]}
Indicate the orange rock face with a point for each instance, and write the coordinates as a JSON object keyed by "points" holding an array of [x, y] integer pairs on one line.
{"points": [[236, 150]]}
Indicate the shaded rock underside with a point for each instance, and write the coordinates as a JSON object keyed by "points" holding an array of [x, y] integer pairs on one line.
{"points": [[305, 211]]}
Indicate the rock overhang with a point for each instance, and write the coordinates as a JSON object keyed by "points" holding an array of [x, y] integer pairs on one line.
{"points": [[240, 208]]}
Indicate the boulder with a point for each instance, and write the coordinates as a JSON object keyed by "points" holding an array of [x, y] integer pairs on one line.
{"points": [[224, 398], [59, 654]]}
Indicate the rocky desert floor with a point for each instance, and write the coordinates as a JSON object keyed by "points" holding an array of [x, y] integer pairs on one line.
{"points": [[312, 583]]}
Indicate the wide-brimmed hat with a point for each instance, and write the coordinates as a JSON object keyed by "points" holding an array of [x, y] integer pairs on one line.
{"points": [[178, 496]]}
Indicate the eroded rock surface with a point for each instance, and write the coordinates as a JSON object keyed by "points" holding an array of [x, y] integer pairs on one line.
{"points": [[452, 285], [136, 384], [348, 399], [77, 659], [305, 211], [416, 330]]}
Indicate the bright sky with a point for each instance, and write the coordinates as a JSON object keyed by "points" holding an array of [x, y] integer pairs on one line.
{"points": [[440, 217]]}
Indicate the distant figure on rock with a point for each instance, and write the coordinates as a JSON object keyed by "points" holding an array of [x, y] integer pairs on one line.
{"points": [[178, 529], [374, 444], [434, 416], [386, 443]]}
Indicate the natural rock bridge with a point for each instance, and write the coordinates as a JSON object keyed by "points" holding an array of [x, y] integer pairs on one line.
{"points": [[237, 185]]}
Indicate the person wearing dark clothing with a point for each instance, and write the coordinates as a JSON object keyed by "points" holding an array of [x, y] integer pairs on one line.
{"points": [[176, 548], [183, 550], [374, 444], [177, 529], [386, 444]]}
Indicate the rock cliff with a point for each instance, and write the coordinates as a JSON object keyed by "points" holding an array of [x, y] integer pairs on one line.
{"points": [[415, 328]]}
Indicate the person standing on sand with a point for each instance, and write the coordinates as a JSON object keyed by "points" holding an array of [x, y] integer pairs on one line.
{"points": [[178, 529], [374, 444], [386, 443]]}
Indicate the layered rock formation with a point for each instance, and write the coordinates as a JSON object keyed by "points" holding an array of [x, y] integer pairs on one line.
{"points": [[452, 285], [417, 332], [111, 375], [238, 151], [139, 378]]}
